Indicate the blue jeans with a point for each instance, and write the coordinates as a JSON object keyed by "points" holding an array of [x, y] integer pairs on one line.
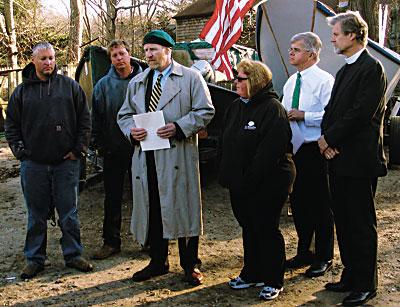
{"points": [[45, 186]]}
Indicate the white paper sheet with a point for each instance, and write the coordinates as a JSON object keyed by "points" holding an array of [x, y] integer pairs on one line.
{"points": [[151, 121], [297, 136]]}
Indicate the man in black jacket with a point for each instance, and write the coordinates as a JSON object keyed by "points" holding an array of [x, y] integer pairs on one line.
{"points": [[108, 96], [48, 129], [352, 142]]}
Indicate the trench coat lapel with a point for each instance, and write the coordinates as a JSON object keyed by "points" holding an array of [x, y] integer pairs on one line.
{"points": [[171, 89], [169, 92]]}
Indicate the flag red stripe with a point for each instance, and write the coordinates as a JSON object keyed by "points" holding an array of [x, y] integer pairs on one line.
{"points": [[224, 29]]}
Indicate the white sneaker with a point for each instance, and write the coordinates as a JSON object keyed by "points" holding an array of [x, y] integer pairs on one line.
{"points": [[238, 283], [269, 293]]}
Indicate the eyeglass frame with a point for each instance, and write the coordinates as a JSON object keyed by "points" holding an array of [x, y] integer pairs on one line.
{"points": [[240, 79], [297, 50]]}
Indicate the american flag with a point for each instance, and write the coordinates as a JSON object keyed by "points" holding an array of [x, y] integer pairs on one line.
{"points": [[224, 29]]}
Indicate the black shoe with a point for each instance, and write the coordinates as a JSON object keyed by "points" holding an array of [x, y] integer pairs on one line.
{"points": [[194, 277], [31, 270], [299, 261], [338, 286], [357, 298], [150, 271], [318, 268]]}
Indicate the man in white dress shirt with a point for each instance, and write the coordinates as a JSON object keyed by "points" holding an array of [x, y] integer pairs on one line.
{"points": [[306, 93]]}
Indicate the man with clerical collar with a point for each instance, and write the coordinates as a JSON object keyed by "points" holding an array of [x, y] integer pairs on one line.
{"points": [[352, 141], [166, 182]]}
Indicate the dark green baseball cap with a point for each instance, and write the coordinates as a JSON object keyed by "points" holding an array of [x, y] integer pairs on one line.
{"points": [[159, 37]]}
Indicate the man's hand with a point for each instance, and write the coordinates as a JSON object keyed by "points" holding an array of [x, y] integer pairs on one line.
{"points": [[138, 134], [330, 153], [323, 145], [296, 115], [70, 156], [167, 131]]}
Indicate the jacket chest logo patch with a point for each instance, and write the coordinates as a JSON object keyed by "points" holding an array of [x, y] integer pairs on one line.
{"points": [[250, 126], [58, 128]]}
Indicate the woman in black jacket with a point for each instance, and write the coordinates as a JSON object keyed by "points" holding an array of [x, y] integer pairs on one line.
{"points": [[257, 168]]}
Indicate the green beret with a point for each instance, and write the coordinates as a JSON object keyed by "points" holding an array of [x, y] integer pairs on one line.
{"points": [[159, 37]]}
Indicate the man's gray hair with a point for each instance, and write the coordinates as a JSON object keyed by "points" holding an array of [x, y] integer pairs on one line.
{"points": [[311, 41], [351, 22], [42, 46]]}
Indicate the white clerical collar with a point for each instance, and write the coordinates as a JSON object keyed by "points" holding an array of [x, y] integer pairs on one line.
{"points": [[354, 57]]}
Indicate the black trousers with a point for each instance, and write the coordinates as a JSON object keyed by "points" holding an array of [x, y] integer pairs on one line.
{"points": [[258, 213], [355, 220], [115, 167], [188, 247], [311, 203]]}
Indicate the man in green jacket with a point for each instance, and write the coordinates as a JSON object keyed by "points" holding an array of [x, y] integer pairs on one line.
{"points": [[108, 96]]}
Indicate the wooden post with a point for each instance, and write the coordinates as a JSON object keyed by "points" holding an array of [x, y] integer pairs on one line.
{"points": [[12, 83]]}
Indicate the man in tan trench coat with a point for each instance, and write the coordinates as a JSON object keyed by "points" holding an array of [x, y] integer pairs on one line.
{"points": [[166, 183]]}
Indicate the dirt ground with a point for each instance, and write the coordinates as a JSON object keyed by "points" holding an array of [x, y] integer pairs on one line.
{"points": [[220, 251]]}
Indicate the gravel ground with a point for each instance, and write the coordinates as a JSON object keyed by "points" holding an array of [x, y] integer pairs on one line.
{"points": [[220, 250]]}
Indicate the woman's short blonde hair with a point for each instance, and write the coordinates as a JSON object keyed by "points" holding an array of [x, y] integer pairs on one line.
{"points": [[258, 74]]}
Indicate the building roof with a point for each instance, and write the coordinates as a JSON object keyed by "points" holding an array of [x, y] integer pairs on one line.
{"points": [[205, 8], [200, 8]]}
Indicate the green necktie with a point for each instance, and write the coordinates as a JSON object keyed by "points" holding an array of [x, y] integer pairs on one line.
{"points": [[296, 92]]}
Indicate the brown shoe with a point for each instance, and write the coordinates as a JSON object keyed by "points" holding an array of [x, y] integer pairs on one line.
{"points": [[194, 277], [105, 251], [80, 264], [31, 270]]}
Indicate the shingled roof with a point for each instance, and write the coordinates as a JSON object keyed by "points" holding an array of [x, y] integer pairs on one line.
{"points": [[205, 8], [201, 8]]}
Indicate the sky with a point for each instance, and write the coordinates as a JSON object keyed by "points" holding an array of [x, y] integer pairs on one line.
{"points": [[62, 6], [57, 6]]}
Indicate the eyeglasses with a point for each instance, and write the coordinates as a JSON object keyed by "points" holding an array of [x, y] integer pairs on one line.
{"points": [[240, 79], [297, 50]]}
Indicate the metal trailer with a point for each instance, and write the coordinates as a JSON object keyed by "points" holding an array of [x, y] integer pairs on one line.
{"points": [[279, 20]]}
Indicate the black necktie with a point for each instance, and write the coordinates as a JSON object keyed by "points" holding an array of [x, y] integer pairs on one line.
{"points": [[155, 94]]}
